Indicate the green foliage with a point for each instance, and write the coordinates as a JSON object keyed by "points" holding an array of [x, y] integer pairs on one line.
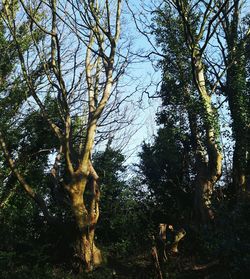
{"points": [[231, 239], [227, 241], [121, 209], [8, 55], [165, 170], [175, 66], [109, 166]]}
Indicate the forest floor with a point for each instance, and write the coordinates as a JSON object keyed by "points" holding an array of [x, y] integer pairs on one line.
{"points": [[177, 266]]}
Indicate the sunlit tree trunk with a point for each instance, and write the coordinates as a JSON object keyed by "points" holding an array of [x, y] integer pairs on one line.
{"points": [[86, 252], [209, 157]]}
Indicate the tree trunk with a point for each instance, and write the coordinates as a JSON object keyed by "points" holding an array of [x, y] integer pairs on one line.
{"points": [[236, 93], [87, 255], [204, 187], [239, 167], [203, 192], [208, 153]]}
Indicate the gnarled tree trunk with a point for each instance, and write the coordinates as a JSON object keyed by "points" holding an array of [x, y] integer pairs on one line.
{"points": [[86, 253]]}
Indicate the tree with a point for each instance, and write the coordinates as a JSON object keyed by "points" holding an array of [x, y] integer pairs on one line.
{"points": [[173, 149], [79, 87], [198, 23], [110, 166], [165, 171], [208, 155], [235, 89]]}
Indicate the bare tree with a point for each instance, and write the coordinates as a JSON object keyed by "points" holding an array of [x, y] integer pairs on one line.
{"points": [[76, 58]]}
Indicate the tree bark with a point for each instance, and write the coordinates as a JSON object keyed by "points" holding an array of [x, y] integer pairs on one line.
{"points": [[87, 255], [235, 90], [208, 157], [203, 193]]}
